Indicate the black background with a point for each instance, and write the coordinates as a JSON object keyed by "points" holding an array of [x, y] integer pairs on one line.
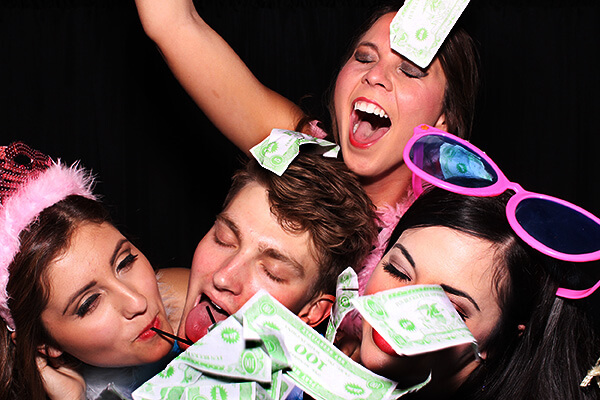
{"points": [[80, 80]]}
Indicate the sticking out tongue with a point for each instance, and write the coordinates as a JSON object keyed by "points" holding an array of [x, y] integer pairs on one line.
{"points": [[370, 128], [382, 344], [199, 320]]}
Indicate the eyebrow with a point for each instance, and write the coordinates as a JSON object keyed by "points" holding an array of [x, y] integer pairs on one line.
{"points": [[79, 293], [120, 244], [91, 284], [406, 254], [264, 250], [368, 44], [447, 288], [460, 293]]}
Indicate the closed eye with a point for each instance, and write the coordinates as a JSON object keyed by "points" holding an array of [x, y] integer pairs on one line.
{"points": [[363, 57], [366, 52], [273, 277], [126, 262], [395, 272], [88, 305], [411, 70], [460, 312], [225, 232]]}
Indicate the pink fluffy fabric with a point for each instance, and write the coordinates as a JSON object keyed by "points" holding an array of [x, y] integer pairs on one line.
{"points": [[388, 217], [22, 208]]}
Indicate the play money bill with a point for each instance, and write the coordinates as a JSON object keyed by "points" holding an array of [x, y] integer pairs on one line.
{"points": [[420, 27], [277, 151], [318, 367], [415, 319], [217, 359], [219, 390], [346, 290]]}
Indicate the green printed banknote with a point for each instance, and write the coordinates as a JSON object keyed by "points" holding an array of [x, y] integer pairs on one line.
{"points": [[277, 151], [415, 319], [262, 352], [420, 27], [317, 366], [223, 365], [346, 290]]}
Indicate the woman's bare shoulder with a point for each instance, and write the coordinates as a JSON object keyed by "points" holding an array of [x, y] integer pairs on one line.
{"points": [[173, 283]]}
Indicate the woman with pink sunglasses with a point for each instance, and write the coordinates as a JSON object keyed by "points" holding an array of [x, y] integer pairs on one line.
{"points": [[500, 253], [532, 343]]}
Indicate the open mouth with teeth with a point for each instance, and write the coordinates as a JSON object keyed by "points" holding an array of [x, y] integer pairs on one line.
{"points": [[369, 124], [202, 317]]}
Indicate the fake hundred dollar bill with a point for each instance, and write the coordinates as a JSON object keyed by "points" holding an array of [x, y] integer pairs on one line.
{"points": [[223, 364], [277, 151], [415, 319], [420, 27], [260, 353], [317, 366]]}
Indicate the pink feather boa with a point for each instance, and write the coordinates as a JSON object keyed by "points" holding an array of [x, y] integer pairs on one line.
{"points": [[23, 207], [388, 217]]}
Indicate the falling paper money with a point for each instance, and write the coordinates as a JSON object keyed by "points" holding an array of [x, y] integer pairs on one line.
{"points": [[277, 151]]}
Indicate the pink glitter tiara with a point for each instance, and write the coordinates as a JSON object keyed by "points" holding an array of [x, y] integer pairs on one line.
{"points": [[30, 182]]}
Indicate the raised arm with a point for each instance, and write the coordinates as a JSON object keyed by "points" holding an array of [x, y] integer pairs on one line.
{"points": [[240, 106]]}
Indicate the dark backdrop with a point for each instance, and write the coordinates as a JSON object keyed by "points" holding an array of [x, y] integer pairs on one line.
{"points": [[80, 80]]}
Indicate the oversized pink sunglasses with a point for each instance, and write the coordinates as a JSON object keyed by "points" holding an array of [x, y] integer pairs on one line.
{"points": [[550, 225]]}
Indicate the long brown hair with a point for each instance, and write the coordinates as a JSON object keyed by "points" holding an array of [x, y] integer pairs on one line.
{"points": [[43, 241]]}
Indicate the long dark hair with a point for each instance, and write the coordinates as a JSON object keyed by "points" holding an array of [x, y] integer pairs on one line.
{"points": [[43, 240], [550, 356]]}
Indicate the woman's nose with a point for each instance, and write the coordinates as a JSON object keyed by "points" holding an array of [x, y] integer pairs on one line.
{"points": [[132, 302], [379, 75]]}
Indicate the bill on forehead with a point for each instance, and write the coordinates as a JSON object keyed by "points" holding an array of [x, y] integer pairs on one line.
{"points": [[420, 27], [415, 319]]}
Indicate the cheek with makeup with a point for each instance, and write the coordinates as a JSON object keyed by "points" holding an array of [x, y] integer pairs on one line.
{"points": [[103, 301], [464, 267]]}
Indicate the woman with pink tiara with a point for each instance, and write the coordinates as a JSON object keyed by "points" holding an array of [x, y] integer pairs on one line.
{"points": [[376, 100], [74, 292]]}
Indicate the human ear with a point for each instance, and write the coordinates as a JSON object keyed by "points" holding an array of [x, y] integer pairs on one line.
{"points": [[49, 351], [520, 332], [317, 309], [441, 123]]}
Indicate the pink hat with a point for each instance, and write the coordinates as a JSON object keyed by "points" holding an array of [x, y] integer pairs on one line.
{"points": [[30, 182]]}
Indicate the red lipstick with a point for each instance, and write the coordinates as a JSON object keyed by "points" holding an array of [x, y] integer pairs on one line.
{"points": [[148, 333], [383, 344]]}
